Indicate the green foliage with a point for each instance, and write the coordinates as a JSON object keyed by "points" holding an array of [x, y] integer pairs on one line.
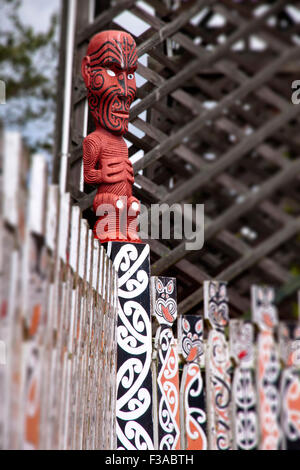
{"points": [[28, 67]]}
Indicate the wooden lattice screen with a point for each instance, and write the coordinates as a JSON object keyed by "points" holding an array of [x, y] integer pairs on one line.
{"points": [[214, 124]]}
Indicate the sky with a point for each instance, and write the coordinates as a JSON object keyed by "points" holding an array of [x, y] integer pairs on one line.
{"points": [[37, 13]]}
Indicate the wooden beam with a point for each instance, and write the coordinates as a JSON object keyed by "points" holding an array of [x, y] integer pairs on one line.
{"points": [[251, 199], [200, 121], [193, 67], [248, 260], [232, 156], [173, 26], [86, 33]]}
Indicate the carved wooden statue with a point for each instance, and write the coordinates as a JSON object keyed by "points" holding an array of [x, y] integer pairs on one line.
{"points": [[108, 72]]}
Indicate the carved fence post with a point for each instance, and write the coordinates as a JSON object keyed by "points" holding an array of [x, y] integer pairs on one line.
{"points": [[10, 259], [289, 343], [166, 376], [244, 402], [192, 403], [267, 369], [62, 283], [49, 365], [34, 307], [134, 423], [218, 380], [108, 72]]}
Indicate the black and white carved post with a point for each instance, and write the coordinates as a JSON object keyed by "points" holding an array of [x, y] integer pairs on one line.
{"points": [[192, 400], [264, 314], [289, 344], [218, 380], [134, 423], [165, 373], [244, 401]]}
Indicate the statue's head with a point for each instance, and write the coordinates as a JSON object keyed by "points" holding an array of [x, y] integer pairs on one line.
{"points": [[108, 71]]}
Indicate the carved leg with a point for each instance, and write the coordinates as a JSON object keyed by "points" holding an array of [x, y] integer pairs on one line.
{"points": [[134, 209], [108, 207]]}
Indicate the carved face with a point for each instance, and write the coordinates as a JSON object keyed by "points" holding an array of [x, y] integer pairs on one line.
{"points": [[191, 337], [165, 300], [108, 72], [216, 304], [263, 308]]}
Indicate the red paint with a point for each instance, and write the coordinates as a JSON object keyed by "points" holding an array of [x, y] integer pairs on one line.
{"points": [[242, 354], [193, 354], [167, 314]]}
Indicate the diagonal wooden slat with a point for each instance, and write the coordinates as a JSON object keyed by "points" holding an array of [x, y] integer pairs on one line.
{"points": [[235, 211], [233, 155], [173, 26], [248, 260], [102, 20], [197, 64], [200, 121]]}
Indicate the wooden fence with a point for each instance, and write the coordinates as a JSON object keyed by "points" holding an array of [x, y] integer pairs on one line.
{"points": [[216, 383], [58, 317], [233, 385]]}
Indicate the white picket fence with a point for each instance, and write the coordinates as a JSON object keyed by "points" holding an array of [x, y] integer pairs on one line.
{"points": [[58, 300]]}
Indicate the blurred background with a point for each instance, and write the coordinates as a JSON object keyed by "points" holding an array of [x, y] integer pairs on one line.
{"points": [[29, 60]]}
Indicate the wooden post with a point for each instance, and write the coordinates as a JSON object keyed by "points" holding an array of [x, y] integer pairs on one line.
{"points": [[264, 314], [80, 321], [50, 347], [166, 404], [134, 423], [60, 293], [192, 403], [289, 341], [244, 402], [10, 267], [34, 306], [218, 380]]}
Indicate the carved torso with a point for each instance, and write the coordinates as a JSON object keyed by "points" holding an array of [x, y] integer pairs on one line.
{"points": [[106, 163]]}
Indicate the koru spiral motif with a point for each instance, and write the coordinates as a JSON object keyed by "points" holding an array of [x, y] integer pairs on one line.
{"points": [[218, 366], [268, 371], [289, 341], [190, 337], [244, 400]]}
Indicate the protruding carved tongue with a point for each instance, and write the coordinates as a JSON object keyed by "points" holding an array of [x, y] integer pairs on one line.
{"points": [[267, 320], [192, 354], [167, 314]]}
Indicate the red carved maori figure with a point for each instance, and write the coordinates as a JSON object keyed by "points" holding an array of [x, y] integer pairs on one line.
{"points": [[108, 71]]}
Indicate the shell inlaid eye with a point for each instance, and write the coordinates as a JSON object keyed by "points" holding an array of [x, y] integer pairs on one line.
{"points": [[130, 76], [111, 73]]}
